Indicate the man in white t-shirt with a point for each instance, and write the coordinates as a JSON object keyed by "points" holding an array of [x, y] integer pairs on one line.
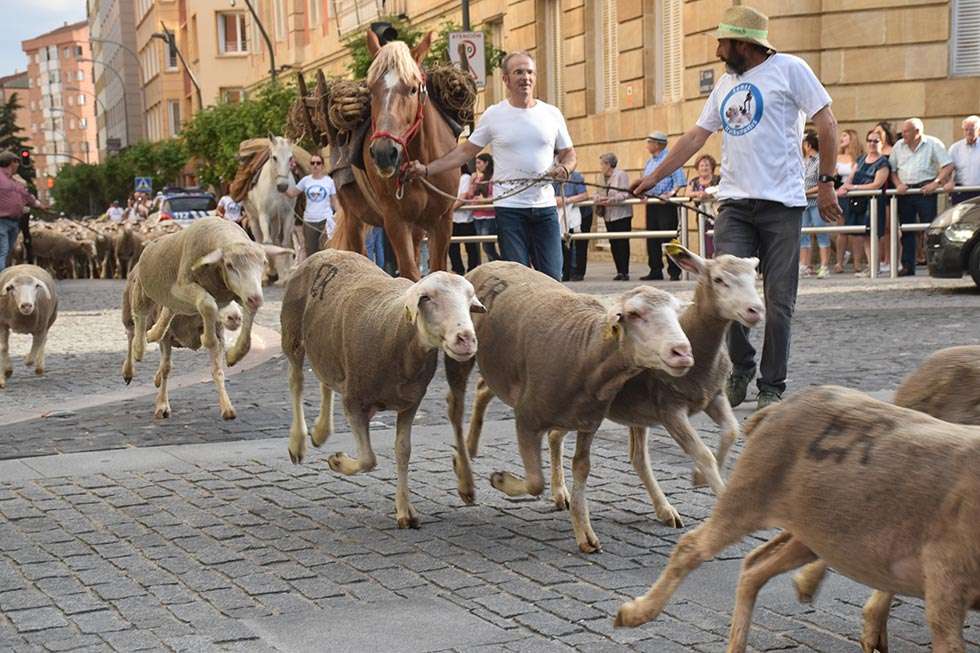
{"points": [[525, 134], [229, 209], [321, 204], [116, 212], [761, 104]]}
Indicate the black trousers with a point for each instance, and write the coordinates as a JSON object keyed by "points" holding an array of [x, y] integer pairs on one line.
{"points": [[661, 217], [472, 249], [620, 246], [579, 256]]}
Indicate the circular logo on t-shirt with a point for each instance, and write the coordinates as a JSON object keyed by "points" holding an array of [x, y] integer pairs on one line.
{"points": [[316, 193], [741, 110]]}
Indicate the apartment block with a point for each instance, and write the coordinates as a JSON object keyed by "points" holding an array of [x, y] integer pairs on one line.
{"points": [[118, 78]]}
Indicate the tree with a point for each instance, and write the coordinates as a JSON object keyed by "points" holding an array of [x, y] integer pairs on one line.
{"points": [[438, 54], [9, 139], [213, 135]]}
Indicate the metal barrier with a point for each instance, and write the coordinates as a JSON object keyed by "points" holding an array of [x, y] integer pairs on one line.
{"points": [[682, 202]]}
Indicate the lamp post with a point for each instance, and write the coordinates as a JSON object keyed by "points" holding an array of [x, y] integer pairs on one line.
{"points": [[273, 72], [168, 37]]}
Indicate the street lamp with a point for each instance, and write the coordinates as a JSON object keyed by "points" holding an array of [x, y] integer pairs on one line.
{"points": [[273, 71], [168, 37]]}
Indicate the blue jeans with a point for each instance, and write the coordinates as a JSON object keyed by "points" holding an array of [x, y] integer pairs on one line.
{"points": [[488, 227], [531, 236], [374, 246], [811, 218], [8, 238]]}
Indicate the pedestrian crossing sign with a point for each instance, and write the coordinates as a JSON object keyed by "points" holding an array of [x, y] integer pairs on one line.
{"points": [[144, 184]]}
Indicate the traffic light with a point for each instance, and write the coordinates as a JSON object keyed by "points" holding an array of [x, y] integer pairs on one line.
{"points": [[25, 156]]}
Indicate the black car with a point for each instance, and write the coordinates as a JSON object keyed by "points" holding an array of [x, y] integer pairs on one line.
{"points": [[953, 242]]}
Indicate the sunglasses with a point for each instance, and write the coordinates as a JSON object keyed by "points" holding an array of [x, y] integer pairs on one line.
{"points": [[873, 140], [316, 163]]}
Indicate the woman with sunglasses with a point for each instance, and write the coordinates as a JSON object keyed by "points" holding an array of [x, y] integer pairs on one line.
{"points": [[870, 173], [321, 204]]}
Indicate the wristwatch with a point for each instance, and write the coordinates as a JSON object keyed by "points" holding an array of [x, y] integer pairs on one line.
{"points": [[826, 179]]}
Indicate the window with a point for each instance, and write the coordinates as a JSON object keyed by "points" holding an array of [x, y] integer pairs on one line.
{"points": [[78, 50], [171, 56], [231, 33], [71, 101], [67, 53], [173, 114], [83, 123], [605, 52], [352, 14], [232, 95], [54, 77], [280, 19], [550, 29], [965, 44], [670, 61], [79, 74], [81, 100], [314, 13]]}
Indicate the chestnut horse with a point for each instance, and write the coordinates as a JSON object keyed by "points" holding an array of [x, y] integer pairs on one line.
{"points": [[405, 126]]}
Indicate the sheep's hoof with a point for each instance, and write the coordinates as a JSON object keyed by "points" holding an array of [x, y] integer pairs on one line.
{"points": [[28, 362], [561, 499], [8, 372], [468, 495], [228, 413], [497, 480], [698, 479], [628, 616], [409, 521], [336, 463], [590, 545], [39, 371], [670, 517], [234, 355], [162, 412], [295, 458]]}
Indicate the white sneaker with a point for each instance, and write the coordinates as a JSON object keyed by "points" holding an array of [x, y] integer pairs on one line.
{"points": [[884, 268], [823, 272]]}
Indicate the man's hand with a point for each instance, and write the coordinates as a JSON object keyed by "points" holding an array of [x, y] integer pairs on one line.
{"points": [[827, 203], [930, 188], [557, 171], [842, 191], [416, 169], [949, 185], [641, 186], [901, 188]]}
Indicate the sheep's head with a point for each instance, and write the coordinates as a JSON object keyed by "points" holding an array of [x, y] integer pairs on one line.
{"points": [[440, 306], [729, 282], [230, 316], [25, 289], [645, 321], [241, 265]]}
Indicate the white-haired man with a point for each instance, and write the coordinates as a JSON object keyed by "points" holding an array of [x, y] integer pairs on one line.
{"points": [[529, 139], [761, 105], [917, 161], [965, 154]]}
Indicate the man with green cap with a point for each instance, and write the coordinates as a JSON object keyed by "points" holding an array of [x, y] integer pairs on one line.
{"points": [[761, 104]]}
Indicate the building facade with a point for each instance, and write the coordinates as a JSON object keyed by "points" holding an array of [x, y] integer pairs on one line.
{"points": [[620, 69], [61, 100], [163, 79], [118, 82]]}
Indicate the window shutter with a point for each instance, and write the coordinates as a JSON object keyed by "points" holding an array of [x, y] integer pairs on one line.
{"points": [[553, 47], [610, 22], [670, 68], [965, 44]]}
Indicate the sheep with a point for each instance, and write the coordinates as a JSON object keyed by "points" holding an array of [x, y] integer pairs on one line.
{"points": [[725, 293], [56, 249], [194, 272], [184, 331], [127, 246], [817, 465], [375, 340], [947, 386], [559, 358], [28, 304]]}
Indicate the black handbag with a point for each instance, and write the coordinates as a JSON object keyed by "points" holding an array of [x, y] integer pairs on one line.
{"points": [[858, 205]]}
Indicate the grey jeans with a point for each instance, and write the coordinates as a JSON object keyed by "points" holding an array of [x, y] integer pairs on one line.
{"points": [[771, 231]]}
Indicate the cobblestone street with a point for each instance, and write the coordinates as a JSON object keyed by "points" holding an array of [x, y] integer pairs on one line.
{"points": [[125, 533]]}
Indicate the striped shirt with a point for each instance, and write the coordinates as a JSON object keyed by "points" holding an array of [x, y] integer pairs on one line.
{"points": [[922, 164]]}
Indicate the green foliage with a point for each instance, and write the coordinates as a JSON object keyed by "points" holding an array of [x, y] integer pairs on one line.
{"points": [[84, 189], [9, 139], [438, 53], [213, 135]]}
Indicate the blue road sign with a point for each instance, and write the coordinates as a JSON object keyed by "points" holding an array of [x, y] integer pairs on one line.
{"points": [[144, 184]]}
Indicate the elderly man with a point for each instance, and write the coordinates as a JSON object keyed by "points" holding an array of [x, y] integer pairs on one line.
{"points": [[761, 104], [965, 154], [525, 134], [661, 217], [917, 161], [13, 198]]}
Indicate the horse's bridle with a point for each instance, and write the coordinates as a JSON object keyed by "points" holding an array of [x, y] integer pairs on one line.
{"points": [[412, 130]]}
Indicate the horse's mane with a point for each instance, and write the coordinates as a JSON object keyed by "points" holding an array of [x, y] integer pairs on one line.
{"points": [[395, 56]]}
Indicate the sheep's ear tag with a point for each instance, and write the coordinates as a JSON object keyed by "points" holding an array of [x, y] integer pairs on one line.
{"points": [[673, 249]]}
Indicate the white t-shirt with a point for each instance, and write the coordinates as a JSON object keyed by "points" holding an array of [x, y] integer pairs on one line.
{"points": [[232, 209], [463, 216], [524, 144], [762, 114], [116, 213], [966, 158], [318, 193]]}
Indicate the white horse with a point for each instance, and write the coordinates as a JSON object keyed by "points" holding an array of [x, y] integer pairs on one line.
{"points": [[271, 207]]}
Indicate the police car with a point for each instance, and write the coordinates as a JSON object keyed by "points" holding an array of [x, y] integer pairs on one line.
{"points": [[183, 206]]}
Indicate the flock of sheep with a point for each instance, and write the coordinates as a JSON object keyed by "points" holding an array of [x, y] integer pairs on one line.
{"points": [[886, 494]]}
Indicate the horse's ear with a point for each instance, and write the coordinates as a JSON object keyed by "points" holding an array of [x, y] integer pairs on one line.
{"points": [[422, 48], [373, 44]]}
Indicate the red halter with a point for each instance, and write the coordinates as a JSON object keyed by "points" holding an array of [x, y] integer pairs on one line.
{"points": [[412, 130]]}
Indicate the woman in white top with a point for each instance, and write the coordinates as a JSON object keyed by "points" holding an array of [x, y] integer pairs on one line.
{"points": [[463, 226], [321, 203], [848, 152], [229, 209]]}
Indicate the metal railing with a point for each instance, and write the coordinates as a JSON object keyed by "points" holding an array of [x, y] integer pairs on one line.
{"points": [[895, 231]]}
